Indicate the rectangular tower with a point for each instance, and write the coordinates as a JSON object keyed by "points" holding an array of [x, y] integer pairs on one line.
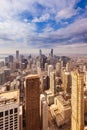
{"points": [[77, 101], [17, 54], [52, 82], [32, 102], [43, 112]]}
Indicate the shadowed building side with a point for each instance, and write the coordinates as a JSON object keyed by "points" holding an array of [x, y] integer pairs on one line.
{"points": [[32, 102]]}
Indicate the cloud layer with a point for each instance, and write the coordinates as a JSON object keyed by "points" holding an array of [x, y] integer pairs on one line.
{"points": [[28, 25]]}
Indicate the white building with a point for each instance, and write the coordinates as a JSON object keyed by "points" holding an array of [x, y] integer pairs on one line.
{"points": [[9, 110], [50, 69], [43, 112]]}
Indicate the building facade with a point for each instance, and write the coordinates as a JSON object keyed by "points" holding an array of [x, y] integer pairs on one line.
{"points": [[32, 102], [77, 99], [9, 110]]}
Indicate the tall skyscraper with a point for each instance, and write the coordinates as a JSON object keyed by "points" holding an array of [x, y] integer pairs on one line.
{"points": [[9, 110], [11, 58], [66, 79], [40, 52], [52, 82], [51, 52], [77, 101], [50, 69], [32, 102], [58, 68], [17, 54], [68, 67]]}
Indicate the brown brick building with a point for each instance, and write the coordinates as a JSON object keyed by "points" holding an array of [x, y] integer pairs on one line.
{"points": [[32, 102]]}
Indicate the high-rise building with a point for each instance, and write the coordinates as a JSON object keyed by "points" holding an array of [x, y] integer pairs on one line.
{"points": [[6, 60], [11, 58], [68, 67], [17, 54], [66, 79], [2, 78], [52, 82], [77, 99], [50, 69], [40, 52], [32, 102], [46, 66], [43, 112], [7, 72], [58, 68], [51, 52], [85, 79], [9, 110]]}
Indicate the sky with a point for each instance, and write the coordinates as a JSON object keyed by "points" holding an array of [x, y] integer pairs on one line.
{"points": [[30, 25]]}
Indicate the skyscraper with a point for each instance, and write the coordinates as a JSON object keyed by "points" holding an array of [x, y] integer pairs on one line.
{"points": [[51, 52], [77, 101], [52, 82], [40, 52], [43, 112], [50, 69], [66, 78], [17, 54], [11, 58], [32, 102]]}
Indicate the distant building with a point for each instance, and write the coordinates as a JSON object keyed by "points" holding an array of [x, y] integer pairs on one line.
{"points": [[77, 99], [6, 60], [32, 102], [58, 68], [2, 78], [11, 58], [68, 67], [17, 54], [51, 52], [7, 72], [40, 52]]}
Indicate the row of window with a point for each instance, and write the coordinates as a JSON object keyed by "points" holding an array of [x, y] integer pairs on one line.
{"points": [[7, 112]]}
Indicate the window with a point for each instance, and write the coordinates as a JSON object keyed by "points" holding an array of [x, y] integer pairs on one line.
{"points": [[6, 113], [11, 111], [1, 114], [15, 110]]}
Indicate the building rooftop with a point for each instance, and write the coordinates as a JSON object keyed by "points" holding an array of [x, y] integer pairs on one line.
{"points": [[33, 76], [9, 97], [63, 101]]}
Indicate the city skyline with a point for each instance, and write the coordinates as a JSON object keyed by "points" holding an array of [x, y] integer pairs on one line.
{"points": [[28, 26]]}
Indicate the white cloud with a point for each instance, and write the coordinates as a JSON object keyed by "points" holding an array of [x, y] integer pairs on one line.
{"points": [[16, 32], [43, 18], [10, 8], [66, 13]]}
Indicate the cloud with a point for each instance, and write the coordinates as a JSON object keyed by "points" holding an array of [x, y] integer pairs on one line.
{"points": [[66, 13], [73, 33], [43, 18], [36, 24]]}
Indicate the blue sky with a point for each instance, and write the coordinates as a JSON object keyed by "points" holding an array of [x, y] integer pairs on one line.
{"points": [[30, 25]]}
